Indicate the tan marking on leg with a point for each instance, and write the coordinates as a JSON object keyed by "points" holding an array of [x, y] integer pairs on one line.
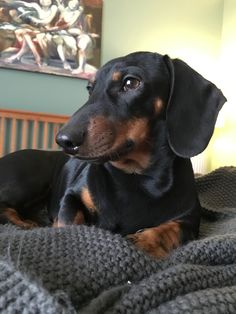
{"points": [[58, 224], [87, 200], [158, 241], [13, 217], [55, 223], [62, 220], [79, 218]]}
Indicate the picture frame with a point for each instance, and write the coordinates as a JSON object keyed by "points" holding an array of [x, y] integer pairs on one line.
{"points": [[61, 37]]}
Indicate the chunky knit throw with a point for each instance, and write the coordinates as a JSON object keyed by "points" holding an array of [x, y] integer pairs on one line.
{"points": [[81, 269]]}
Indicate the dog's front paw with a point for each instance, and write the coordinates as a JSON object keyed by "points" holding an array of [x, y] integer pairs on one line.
{"points": [[158, 241]]}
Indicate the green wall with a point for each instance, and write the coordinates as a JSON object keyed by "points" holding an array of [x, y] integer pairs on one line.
{"points": [[190, 30]]}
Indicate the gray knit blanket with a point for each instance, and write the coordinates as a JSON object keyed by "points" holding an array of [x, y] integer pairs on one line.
{"points": [[81, 269]]}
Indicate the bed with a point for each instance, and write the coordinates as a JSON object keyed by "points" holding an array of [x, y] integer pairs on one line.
{"points": [[80, 269]]}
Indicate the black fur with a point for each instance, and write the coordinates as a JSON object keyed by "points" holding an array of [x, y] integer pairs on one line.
{"points": [[103, 133]]}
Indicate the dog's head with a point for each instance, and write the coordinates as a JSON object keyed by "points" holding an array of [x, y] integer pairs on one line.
{"points": [[128, 98]]}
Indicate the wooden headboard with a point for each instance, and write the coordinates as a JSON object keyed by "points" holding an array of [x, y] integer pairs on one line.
{"points": [[25, 129]]}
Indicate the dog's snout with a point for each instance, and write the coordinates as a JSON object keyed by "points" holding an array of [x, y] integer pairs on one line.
{"points": [[68, 143]]}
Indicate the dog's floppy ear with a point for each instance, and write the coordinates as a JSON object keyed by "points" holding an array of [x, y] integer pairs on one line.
{"points": [[192, 109]]}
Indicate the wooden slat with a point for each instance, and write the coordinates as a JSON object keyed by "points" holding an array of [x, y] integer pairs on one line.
{"points": [[45, 135], [28, 115], [24, 134], [56, 128], [13, 136], [35, 134], [2, 135]]}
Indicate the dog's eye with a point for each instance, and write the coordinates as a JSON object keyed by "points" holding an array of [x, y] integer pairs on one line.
{"points": [[130, 83]]}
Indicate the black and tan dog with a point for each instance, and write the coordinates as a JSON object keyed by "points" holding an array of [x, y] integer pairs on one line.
{"points": [[130, 145]]}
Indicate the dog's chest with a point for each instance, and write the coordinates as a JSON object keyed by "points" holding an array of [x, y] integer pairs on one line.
{"points": [[123, 205], [136, 209]]}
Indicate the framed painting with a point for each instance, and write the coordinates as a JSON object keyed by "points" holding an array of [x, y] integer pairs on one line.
{"points": [[61, 37]]}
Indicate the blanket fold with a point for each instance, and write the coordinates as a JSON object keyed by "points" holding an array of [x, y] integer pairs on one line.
{"points": [[81, 269]]}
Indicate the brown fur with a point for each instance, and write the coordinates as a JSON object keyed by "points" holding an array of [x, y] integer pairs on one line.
{"points": [[105, 138], [158, 241], [139, 159], [135, 162], [158, 106], [87, 200], [116, 76], [79, 218], [12, 215]]}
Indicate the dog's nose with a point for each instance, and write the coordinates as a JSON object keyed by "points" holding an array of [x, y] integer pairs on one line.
{"points": [[68, 143]]}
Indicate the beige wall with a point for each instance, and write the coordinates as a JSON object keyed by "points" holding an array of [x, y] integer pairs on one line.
{"points": [[222, 150], [186, 29]]}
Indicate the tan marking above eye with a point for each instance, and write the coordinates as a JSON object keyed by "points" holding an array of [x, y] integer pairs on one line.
{"points": [[79, 218], [116, 76], [158, 105], [59, 224]]}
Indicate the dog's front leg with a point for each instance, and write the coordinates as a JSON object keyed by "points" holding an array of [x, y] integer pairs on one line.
{"points": [[70, 212], [160, 241]]}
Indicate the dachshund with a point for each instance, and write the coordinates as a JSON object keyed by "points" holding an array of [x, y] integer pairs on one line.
{"points": [[126, 163]]}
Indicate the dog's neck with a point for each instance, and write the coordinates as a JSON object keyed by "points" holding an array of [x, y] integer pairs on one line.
{"points": [[135, 162], [146, 153]]}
